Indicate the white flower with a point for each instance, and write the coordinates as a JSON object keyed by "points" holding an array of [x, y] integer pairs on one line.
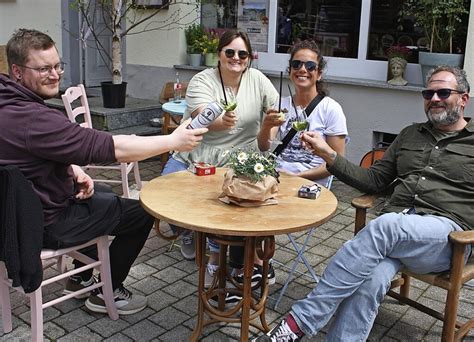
{"points": [[242, 157], [225, 153], [258, 168]]}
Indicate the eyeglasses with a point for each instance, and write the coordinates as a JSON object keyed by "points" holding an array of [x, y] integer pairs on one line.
{"points": [[443, 94], [45, 71], [229, 53], [309, 65]]}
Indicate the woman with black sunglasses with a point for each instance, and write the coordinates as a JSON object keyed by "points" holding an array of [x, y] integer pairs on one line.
{"points": [[235, 128], [306, 67]]}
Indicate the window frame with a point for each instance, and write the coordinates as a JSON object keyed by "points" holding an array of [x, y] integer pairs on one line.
{"points": [[359, 68]]}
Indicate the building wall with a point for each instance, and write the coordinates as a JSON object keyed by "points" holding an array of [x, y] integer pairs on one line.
{"points": [[43, 15], [164, 44]]}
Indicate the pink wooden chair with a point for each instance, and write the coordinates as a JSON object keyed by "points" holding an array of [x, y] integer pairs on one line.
{"points": [[36, 298], [79, 93], [21, 223]]}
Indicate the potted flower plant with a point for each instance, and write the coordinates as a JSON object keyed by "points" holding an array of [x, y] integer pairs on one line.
{"points": [[193, 34], [209, 42], [440, 21], [252, 177]]}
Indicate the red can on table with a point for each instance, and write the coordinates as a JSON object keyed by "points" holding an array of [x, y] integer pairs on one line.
{"points": [[202, 169]]}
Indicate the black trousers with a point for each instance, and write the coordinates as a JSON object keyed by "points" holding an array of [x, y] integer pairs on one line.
{"points": [[104, 213]]}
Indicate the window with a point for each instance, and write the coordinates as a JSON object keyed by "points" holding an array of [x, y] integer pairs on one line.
{"points": [[250, 16], [353, 35], [334, 24], [387, 29]]}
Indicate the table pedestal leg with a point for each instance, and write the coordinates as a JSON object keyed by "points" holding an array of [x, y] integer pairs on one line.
{"points": [[201, 263], [249, 308]]}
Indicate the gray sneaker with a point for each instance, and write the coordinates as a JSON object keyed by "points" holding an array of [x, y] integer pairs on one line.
{"points": [[209, 276], [188, 248], [126, 302], [75, 283]]}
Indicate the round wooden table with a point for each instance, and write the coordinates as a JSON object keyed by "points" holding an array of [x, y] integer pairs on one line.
{"points": [[191, 202]]}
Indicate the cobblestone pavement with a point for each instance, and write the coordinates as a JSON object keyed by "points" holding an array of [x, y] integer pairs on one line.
{"points": [[170, 282]]}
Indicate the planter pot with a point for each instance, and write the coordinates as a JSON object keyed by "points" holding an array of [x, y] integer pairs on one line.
{"points": [[430, 60], [211, 59], [113, 95], [195, 59]]}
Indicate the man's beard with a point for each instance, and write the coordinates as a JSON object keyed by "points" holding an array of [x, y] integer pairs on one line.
{"points": [[445, 118]]}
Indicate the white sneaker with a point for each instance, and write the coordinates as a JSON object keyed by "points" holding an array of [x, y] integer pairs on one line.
{"points": [[127, 303], [210, 273], [188, 248]]}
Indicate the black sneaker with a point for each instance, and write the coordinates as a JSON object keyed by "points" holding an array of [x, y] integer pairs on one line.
{"points": [[231, 299], [127, 303], [280, 333], [257, 275], [75, 283]]}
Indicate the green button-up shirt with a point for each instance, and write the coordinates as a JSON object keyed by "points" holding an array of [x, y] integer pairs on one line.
{"points": [[432, 171]]}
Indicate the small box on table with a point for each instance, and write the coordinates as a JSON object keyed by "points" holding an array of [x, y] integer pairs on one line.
{"points": [[202, 169]]}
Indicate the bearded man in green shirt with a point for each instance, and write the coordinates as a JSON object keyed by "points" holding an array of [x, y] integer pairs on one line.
{"points": [[431, 169]]}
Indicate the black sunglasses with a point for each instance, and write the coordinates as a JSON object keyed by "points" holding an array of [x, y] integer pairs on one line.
{"points": [[229, 53], [309, 65], [443, 94]]}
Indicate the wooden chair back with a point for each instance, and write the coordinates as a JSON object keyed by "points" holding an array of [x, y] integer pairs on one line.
{"points": [[167, 92]]}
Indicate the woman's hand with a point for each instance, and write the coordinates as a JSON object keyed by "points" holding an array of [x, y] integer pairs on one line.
{"points": [[273, 118], [229, 120]]}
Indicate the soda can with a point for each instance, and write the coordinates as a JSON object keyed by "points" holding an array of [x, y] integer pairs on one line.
{"points": [[207, 116]]}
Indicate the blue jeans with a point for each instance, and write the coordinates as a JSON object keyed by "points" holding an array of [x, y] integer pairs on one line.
{"points": [[172, 166], [355, 281]]}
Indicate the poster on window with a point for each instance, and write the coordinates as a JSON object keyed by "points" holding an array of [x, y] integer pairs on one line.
{"points": [[253, 19]]}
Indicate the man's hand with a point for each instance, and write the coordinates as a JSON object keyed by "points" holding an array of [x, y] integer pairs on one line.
{"points": [[85, 185], [184, 139], [314, 142]]}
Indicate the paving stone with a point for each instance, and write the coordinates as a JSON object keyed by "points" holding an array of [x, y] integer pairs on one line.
{"points": [[74, 319], [141, 271], [143, 331], [169, 318], [82, 334], [107, 327], [118, 338]]}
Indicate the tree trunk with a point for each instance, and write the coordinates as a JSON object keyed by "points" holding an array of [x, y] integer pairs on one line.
{"points": [[117, 43]]}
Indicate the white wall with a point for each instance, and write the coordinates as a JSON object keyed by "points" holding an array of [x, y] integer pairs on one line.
{"points": [[469, 55], [43, 15], [165, 46]]}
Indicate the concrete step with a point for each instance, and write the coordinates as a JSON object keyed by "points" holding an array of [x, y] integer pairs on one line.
{"points": [[137, 112]]}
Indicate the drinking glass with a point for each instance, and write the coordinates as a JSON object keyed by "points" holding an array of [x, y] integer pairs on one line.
{"points": [[231, 106], [276, 139]]}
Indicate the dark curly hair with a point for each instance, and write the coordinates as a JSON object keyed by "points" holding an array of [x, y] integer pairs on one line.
{"points": [[311, 45]]}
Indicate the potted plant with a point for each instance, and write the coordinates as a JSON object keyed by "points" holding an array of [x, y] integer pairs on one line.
{"points": [[120, 18], [194, 34], [252, 178], [210, 41], [440, 21]]}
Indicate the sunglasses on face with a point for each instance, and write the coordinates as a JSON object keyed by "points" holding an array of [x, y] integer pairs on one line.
{"points": [[443, 94], [229, 53], [309, 65]]}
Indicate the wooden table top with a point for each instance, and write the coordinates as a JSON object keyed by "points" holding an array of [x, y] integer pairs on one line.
{"points": [[191, 202]]}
